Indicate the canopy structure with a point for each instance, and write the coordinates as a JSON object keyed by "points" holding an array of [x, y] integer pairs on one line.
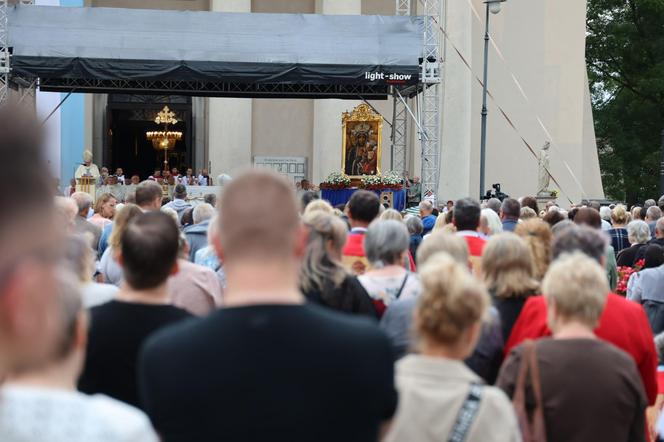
{"points": [[113, 50], [215, 54]]}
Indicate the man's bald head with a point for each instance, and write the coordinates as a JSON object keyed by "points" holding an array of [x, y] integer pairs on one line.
{"points": [[259, 217]]}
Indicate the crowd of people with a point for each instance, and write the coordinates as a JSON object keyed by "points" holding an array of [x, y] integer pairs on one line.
{"points": [[271, 315]]}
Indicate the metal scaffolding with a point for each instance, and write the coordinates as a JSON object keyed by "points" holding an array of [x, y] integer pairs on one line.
{"points": [[428, 105], [4, 51], [26, 89], [399, 148], [430, 113]]}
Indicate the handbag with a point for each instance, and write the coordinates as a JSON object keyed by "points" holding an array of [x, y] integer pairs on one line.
{"points": [[534, 431]]}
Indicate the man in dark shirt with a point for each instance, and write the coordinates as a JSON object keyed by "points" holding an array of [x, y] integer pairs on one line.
{"points": [[118, 328], [267, 366]]}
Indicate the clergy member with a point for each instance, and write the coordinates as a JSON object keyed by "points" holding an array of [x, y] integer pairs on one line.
{"points": [[87, 168]]}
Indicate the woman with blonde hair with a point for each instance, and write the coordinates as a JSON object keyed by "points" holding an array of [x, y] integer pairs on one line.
{"points": [[539, 238], [618, 232], [527, 213], [444, 221], [319, 206], [439, 396], [108, 265], [104, 210], [507, 270], [391, 214], [323, 278]]}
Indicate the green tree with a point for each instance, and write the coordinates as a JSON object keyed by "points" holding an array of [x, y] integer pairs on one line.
{"points": [[625, 55]]}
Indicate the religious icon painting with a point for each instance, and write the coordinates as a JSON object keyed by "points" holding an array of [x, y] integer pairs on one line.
{"points": [[361, 141]]}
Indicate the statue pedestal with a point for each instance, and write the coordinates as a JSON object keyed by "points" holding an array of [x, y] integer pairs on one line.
{"points": [[543, 199]]}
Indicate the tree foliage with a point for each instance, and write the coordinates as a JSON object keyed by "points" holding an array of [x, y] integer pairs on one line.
{"points": [[625, 55]]}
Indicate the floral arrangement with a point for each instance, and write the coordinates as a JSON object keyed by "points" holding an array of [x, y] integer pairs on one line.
{"points": [[624, 272], [389, 181], [336, 181], [393, 179], [371, 182]]}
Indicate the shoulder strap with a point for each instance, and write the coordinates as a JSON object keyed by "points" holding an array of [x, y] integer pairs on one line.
{"points": [[538, 428], [466, 414], [403, 284], [534, 431]]}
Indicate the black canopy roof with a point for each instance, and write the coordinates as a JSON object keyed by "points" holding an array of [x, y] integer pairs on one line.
{"points": [[215, 54]]}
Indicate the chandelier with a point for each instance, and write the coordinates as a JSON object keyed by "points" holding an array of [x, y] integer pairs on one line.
{"points": [[164, 139]]}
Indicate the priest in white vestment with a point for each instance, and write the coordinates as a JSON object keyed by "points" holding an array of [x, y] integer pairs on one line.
{"points": [[87, 168]]}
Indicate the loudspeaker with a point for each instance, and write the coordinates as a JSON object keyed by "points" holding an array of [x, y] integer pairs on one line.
{"points": [[387, 198]]}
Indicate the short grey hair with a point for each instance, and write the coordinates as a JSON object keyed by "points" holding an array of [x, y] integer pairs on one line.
{"points": [[494, 204], [605, 213], [649, 203], [414, 225], [653, 213], [202, 212], [591, 242], [82, 200], [385, 241], [660, 226], [426, 205], [578, 286], [638, 232]]}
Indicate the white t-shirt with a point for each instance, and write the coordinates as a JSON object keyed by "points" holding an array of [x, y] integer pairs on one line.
{"points": [[31, 414]]}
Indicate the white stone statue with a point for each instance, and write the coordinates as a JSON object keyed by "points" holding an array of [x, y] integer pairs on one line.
{"points": [[543, 177]]}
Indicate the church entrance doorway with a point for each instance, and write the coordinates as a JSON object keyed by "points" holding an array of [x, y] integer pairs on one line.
{"points": [[129, 117]]}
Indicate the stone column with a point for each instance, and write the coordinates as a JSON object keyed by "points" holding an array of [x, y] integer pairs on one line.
{"points": [[327, 113], [229, 119], [457, 108]]}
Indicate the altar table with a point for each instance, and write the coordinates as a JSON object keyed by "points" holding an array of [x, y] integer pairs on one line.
{"points": [[341, 196]]}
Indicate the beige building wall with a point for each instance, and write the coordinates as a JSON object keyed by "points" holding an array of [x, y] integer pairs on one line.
{"points": [[546, 54]]}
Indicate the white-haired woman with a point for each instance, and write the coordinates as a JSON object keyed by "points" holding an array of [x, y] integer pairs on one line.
{"points": [[490, 223], [386, 246], [638, 233], [323, 278], [575, 387], [440, 398]]}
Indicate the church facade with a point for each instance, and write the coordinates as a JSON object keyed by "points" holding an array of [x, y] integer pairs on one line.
{"points": [[537, 80]]}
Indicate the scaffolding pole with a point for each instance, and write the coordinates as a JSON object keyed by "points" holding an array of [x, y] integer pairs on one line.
{"points": [[399, 148], [26, 90], [4, 51], [430, 102]]}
